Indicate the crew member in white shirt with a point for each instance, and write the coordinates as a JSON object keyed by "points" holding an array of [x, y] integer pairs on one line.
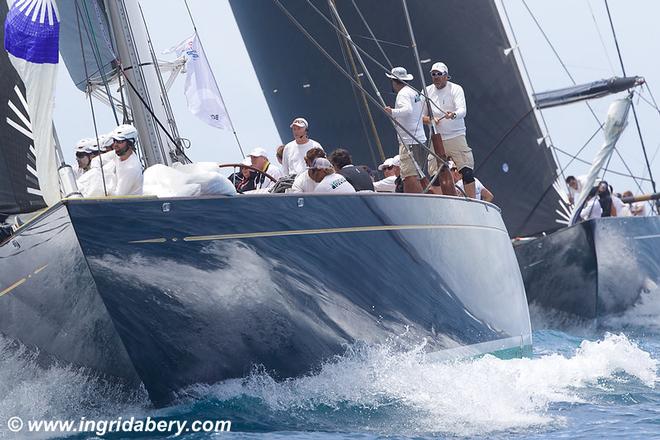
{"points": [[575, 185], [293, 156], [407, 111], [259, 159], [592, 208], [449, 111], [323, 173], [128, 169], [481, 192], [84, 150], [303, 183], [391, 168]]}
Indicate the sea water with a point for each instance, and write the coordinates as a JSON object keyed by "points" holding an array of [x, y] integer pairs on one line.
{"points": [[585, 381]]}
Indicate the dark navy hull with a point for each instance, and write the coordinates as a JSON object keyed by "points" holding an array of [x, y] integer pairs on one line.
{"points": [[594, 268], [202, 290]]}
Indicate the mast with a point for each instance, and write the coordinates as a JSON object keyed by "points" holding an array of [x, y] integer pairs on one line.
{"points": [[140, 73]]}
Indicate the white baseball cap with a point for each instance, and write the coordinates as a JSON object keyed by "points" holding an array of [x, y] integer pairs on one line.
{"points": [[320, 163], [440, 67], [258, 152], [390, 162], [300, 122], [399, 73]]}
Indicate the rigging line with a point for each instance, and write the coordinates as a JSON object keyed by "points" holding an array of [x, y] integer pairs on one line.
{"points": [[639, 130], [529, 81], [373, 37], [201, 46], [153, 115], [600, 36], [552, 47], [342, 26], [362, 51], [91, 101], [618, 173], [593, 113], [97, 57], [347, 75], [349, 60], [165, 101]]}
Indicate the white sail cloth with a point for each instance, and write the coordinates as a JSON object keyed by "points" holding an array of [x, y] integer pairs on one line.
{"points": [[617, 119], [190, 180], [32, 42], [202, 92]]}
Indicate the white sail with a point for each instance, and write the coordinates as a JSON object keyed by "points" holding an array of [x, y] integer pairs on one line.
{"points": [[617, 117], [32, 42]]}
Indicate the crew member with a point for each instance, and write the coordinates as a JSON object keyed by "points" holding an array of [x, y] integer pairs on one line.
{"points": [[322, 172], [127, 169], [293, 156], [391, 168], [356, 176], [84, 154], [407, 111], [449, 110], [259, 160], [303, 183], [481, 192]]}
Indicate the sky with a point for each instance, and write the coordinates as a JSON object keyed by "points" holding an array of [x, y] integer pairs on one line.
{"points": [[578, 29]]}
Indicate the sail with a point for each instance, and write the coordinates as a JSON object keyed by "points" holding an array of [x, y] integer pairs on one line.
{"points": [[617, 119], [31, 40], [595, 89], [19, 187], [468, 35], [86, 23]]}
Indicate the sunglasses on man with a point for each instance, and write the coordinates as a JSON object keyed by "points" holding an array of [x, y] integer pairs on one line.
{"points": [[438, 73]]}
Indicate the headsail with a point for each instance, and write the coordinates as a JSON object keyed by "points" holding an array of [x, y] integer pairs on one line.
{"points": [[31, 40], [19, 187], [86, 23], [617, 119], [467, 35]]}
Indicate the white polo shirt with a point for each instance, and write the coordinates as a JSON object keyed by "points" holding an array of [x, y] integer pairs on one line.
{"points": [[334, 183], [408, 112]]}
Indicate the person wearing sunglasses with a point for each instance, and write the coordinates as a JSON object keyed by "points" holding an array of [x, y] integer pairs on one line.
{"points": [[447, 101], [391, 170]]}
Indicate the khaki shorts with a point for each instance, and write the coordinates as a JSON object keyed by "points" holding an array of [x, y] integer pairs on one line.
{"points": [[456, 148], [407, 166]]}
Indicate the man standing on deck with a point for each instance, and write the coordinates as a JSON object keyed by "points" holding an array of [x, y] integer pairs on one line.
{"points": [[407, 111], [128, 169], [293, 156], [449, 110]]}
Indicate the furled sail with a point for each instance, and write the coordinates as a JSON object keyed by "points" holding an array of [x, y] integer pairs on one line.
{"points": [[86, 23], [617, 119], [582, 92], [468, 35], [19, 187]]}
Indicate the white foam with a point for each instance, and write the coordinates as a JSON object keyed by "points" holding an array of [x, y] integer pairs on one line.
{"points": [[57, 392], [645, 313], [472, 397]]}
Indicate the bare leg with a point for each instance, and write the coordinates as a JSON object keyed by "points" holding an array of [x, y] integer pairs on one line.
{"points": [[411, 185]]}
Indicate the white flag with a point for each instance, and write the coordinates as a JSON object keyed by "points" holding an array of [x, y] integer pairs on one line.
{"points": [[202, 92]]}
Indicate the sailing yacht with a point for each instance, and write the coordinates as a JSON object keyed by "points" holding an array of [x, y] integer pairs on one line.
{"points": [[170, 292]]}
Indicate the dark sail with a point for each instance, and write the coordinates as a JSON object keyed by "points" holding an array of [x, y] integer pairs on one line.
{"points": [[596, 89], [467, 35], [19, 188]]}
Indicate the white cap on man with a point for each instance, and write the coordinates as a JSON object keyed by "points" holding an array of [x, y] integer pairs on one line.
{"points": [[258, 152], [390, 162], [399, 73], [300, 122], [320, 163], [440, 67]]}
